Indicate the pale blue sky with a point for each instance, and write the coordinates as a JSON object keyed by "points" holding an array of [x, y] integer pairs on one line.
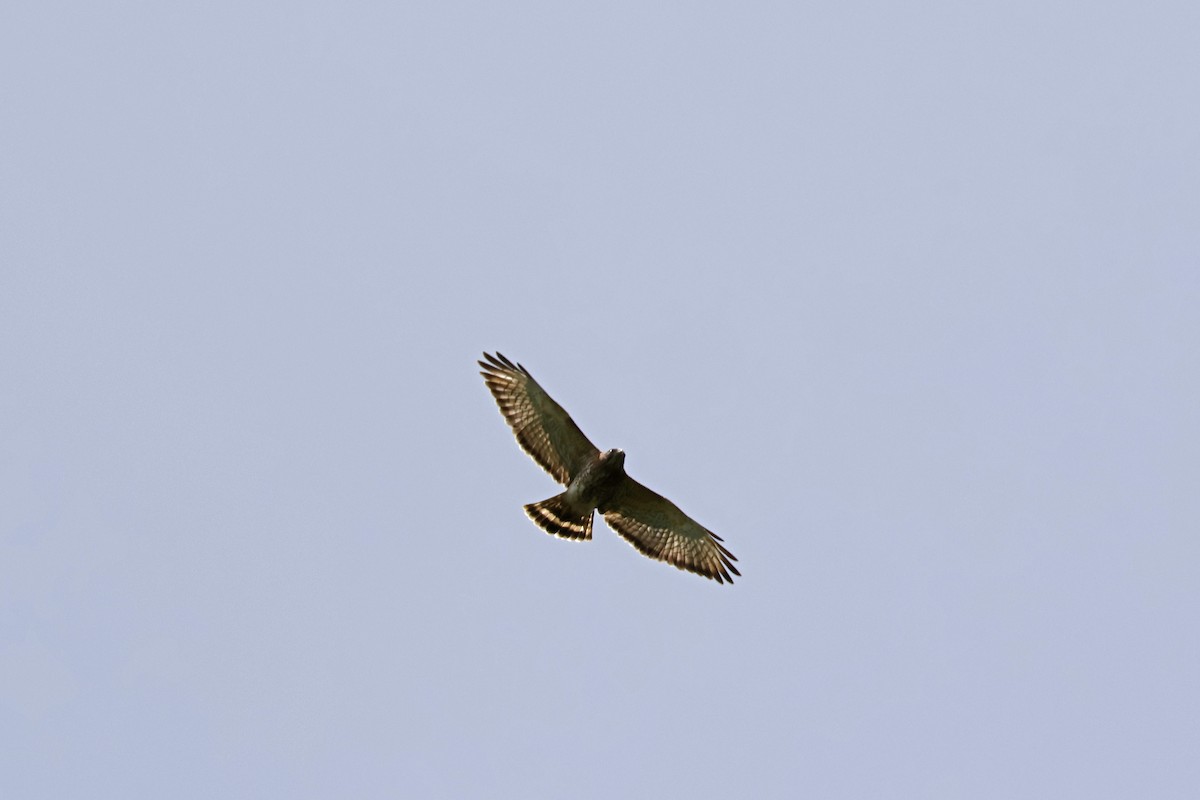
{"points": [[899, 299]]}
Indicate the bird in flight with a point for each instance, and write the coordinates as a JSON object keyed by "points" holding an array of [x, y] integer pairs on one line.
{"points": [[597, 481]]}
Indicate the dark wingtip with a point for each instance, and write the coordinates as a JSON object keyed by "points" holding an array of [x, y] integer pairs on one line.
{"points": [[500, 362]]}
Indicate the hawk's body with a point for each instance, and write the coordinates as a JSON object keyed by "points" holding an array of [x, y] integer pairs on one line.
{"points": [[597, 481]]}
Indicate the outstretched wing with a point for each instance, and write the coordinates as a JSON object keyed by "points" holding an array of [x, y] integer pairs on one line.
{"points": [[543, 429], [657, 528]]}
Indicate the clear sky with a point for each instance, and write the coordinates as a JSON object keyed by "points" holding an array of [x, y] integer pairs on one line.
{"points": [[900, 299]]}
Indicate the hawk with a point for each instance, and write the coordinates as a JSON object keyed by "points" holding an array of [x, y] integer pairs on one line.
{"points": [[597, 481]]}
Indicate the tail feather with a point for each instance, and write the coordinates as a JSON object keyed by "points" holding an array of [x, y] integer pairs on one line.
{"points": [[558, 517]]}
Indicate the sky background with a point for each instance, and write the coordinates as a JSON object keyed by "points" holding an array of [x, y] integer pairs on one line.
{"points": [[899, 299]]}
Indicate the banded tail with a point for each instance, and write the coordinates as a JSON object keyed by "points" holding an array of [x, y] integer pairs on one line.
{"points": [[558, 517]]}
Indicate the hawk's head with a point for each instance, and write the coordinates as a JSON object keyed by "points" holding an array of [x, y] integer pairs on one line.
{"points": [[615, 457]]}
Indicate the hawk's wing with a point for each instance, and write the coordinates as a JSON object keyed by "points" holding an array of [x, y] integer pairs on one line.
{"points": [[543, 429], [657, 528]]}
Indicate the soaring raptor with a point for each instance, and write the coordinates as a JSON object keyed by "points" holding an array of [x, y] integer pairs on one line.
{"points": [[597, 481]]}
